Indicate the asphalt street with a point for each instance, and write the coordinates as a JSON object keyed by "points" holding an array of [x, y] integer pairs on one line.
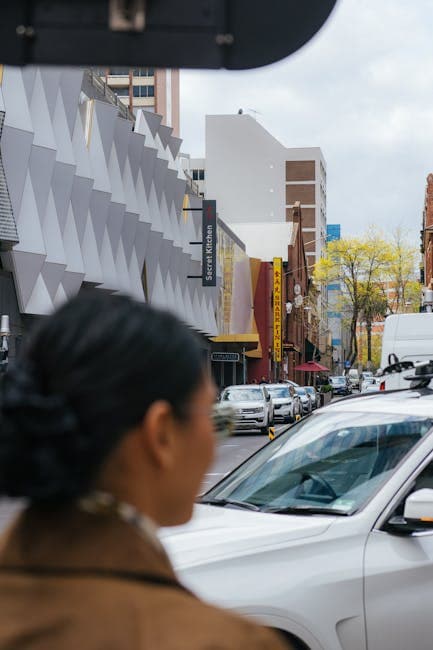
{"points": [[231, 452]]}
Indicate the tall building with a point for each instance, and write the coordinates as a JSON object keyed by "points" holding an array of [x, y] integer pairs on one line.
{"points": [[257, 179], [152, 89]]}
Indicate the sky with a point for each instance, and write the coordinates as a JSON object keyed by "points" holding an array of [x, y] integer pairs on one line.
{"points": [[362, 90]]}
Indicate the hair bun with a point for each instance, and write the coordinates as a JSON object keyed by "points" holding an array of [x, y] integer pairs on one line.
{"points": [[33, 413], [40, 441]]}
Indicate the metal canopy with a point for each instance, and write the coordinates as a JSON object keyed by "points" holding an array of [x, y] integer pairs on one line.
{"points": [[232, 34]]}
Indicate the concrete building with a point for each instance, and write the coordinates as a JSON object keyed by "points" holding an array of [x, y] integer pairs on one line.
{"points": [[257, 179], [151, 89], [90, 198]]}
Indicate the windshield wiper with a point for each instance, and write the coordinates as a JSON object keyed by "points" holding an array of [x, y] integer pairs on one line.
{"points": [[306, 510], [230, 502]]}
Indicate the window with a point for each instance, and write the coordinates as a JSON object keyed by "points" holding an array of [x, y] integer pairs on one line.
{"points": [[198, 174], [143, 72], [123, 92], [119, 72], [144, 91]]}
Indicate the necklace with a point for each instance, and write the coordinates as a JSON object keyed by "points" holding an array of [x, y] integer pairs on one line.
{"points": [[99, 502]]}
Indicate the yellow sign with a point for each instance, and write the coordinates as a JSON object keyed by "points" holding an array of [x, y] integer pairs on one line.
{"points": [[278, 270]]}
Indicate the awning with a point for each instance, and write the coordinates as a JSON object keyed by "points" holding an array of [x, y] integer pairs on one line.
{"points": [[311, 366], [247, 341], [312, 352]]}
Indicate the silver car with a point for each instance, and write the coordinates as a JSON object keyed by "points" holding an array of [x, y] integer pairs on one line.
{"points": [[285, 401], [253, 406], [314, 396], [307, 406]]}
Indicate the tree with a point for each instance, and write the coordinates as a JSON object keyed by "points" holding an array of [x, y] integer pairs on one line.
{"points": [[359, 264], [404, 289]]}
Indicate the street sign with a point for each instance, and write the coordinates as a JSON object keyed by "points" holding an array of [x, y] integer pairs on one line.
{"points": [[209, 235], [347, 364], [225, 356]]}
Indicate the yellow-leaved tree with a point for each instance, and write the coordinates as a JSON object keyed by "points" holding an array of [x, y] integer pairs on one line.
{"points": [[360, 265]]}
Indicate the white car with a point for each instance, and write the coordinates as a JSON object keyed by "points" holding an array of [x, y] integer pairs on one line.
{"points": [[326, 533], [285, 401], [253, 406]]}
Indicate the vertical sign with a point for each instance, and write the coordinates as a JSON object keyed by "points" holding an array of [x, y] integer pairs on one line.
{"points": [[278, 268], [209, 244]]}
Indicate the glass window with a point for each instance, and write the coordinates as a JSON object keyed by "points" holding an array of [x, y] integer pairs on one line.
{"points": [[123, 92], [201, 174], [243, 395], [332, 461], [119, 72], [144, 91], [143, 72], [278, 391], [195, 174]]}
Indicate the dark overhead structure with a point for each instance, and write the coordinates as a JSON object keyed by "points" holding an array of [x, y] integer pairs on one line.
{"points": [[232, 34]]}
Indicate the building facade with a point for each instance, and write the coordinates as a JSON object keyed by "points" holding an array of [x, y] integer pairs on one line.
{"points": [[89, 198], [151, 89], [257, 179]]}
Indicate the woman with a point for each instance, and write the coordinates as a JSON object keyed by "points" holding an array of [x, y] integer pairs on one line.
{"points": [[106, 431]]}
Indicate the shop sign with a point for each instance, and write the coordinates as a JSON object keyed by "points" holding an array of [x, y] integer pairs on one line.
{"points": [[209, 232], [225, 356], [278, 270]]}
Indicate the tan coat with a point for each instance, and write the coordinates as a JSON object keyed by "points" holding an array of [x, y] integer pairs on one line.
{"points": [[84, 611]]}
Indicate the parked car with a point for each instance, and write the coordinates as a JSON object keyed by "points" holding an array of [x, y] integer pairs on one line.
{"points": [[285, 401], [305, 398], [326, 533], [341, 385], [368, 382], [353, 377], [314, 395], [253, 406]]}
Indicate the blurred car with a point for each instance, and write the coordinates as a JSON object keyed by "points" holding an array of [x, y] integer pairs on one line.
{"points": [[252, 405], [340, 385], [314, 395], [367, 383], [353, 377], [285, 401], [305, 398], [326, 533], [371, 388]]}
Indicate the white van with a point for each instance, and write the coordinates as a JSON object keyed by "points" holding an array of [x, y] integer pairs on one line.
{"points": [[410, 338]]}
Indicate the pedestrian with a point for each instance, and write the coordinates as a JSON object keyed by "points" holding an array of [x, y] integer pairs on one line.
{"points": [[263, 380], [106, 431]]}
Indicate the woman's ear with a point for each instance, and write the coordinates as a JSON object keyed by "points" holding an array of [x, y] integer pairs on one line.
{"points": [[158, 435]]}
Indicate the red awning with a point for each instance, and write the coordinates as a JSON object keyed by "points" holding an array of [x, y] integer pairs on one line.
{"points": [[311, 366]]}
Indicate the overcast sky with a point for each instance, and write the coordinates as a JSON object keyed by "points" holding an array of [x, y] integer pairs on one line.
{"points": [[362, 90]]}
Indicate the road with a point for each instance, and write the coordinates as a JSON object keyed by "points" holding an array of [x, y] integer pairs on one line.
{"points": [[231, 452]]}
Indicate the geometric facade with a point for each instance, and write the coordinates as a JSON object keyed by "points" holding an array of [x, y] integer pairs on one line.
{"points": [[97, 200]]}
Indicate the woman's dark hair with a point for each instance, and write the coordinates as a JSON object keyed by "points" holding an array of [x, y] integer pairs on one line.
{"points": [[88, 374]]}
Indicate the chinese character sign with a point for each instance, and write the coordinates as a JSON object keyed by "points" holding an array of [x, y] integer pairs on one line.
{"points": [[278, 267]]}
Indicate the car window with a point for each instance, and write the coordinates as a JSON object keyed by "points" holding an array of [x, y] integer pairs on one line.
{"points": [[332, 460], [243, 395], [300, 391], [282, 391]]}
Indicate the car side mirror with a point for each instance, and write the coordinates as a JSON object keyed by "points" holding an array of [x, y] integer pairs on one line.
{"points": [[417, 514], [418, 508]]}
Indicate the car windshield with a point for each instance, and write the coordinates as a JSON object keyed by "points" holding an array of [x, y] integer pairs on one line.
{"points": [[324, 463], [310, 390], [338, 380], [300, 391], [243, 395], [279, 391]]}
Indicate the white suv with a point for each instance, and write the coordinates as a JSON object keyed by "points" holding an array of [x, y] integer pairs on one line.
{"points": [[326, 533], [253, 406]]}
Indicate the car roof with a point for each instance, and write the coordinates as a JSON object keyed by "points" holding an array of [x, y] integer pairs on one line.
{"points": [[402, 402], [244, 386]]}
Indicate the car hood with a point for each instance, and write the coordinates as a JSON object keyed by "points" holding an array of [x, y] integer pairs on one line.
{"points": [[216, 533]]}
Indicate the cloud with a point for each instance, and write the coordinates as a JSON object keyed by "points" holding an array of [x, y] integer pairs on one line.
{"points": [[362, 90]]}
